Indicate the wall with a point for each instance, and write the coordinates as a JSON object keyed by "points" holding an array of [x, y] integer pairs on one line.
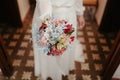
{"points": [[100, 10], [23, 7]]}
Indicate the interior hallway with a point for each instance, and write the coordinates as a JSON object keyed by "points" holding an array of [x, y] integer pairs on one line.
{"points": [[96, 48]]}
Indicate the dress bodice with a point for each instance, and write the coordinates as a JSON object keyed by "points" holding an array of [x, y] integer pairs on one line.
{"points": [[60, 3], [45, 7]]}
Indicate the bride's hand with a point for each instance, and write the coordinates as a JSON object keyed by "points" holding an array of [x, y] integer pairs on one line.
{"points": [[81, 21]]}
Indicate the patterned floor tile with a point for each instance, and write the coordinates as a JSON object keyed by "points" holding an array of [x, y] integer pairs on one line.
{"points": [[98, 67], [105, 48], [16, 36], [85, 55], [10, 51], [27, 37], [96, 56], [85, 66], [86, 77], [72, 77], [6, 36], [102, 40], [21, 52], [26, 75], [30, 63], [12, 43], [92, 40], [93, 47], [17, 62], [24, 44], [90, 33]]}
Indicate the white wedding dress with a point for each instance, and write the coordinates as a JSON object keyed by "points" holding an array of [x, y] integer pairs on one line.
{"points": [[56, 66]]}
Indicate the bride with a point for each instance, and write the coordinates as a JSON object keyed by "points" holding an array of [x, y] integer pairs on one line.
{"points": [[56, 66]]}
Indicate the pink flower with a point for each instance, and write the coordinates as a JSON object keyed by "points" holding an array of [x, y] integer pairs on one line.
{"points": [[57, 23], [43, 41], [63, 21]]}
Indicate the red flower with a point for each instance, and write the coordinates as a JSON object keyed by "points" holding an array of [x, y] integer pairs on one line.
{"points": [[72, 38], [55, 52], [43, 26], [68, 28]]}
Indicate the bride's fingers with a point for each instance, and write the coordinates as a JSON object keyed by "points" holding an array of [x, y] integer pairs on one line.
{"points": [[81, 21], [82, 24]]}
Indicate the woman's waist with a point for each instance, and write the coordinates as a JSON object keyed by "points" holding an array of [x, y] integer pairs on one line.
{"points": [[63, 10], [62, 3], [62, 6]]}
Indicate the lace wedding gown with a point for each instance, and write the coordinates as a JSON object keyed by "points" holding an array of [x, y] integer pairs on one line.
{"points": [[56, 66]]}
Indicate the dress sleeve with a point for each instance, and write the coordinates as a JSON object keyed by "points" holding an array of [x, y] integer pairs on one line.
{"points": [[44, 8], [79, 7]]}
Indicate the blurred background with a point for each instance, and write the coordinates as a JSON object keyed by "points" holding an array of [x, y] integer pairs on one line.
{"points": [[100, 40]]}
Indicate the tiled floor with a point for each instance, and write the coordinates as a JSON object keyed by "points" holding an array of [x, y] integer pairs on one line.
{"points": [[96, 48]]}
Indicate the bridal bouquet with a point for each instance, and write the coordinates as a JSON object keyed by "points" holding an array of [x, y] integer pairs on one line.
{"points": [[54, 36]]}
